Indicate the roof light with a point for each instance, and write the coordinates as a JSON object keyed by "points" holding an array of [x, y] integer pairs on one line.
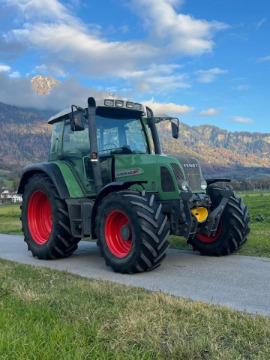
{"points": [[130, 105], [119, 103], [137, 106], [108, 102]]}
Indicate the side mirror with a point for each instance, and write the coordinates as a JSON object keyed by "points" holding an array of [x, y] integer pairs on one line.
{"points": [[175, 128], [174, 123], [77, 119]]}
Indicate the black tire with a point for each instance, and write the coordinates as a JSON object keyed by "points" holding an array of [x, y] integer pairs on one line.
{"points": [[132, 231], [45, 220], [233, 227]]}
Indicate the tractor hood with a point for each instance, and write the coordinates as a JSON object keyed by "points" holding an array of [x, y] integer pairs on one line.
{"points": [[164, 174]]}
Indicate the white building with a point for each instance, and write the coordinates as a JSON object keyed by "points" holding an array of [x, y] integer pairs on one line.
{"points": [[16, 198], [5, 195]]}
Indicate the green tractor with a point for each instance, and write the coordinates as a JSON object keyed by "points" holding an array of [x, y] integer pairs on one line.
{"points": [[107, 178]]}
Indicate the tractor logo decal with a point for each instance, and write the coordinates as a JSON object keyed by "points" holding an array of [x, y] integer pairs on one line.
{"points": [[190, 165], [131, 172]]}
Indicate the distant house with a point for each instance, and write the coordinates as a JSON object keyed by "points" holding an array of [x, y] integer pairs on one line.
{"points": [[16, 198], [6, 196]]}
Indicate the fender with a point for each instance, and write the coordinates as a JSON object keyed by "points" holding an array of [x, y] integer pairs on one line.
{"points": [[112, 187], [212, 181], [52, 170]]}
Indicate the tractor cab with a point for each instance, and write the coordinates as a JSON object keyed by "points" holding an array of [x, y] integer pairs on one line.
{"points": [[86, 142]]}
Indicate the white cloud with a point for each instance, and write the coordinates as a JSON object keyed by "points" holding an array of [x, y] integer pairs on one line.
{"points": [[65, 40], [168, 108], [18, 91], [157, 78], [36, 9], [241, 119], [7, 69], [210, 112], [179, 33], [14, 74], [94, 56], [207, 76], [4, 68]]}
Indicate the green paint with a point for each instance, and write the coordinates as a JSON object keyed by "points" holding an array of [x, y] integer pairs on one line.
{"points": [[72, 183], [149, 166]]}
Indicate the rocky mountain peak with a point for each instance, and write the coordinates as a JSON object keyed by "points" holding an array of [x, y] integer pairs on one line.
{"points": [[42, 85]]}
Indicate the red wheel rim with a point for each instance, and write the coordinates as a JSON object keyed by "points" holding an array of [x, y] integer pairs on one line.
{"points": [[39, 217], [114, 223], [210, 239]]}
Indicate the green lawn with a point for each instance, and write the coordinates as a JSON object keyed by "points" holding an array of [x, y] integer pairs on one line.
{"points": [[259, 238], [10, 219], [47, 314]]}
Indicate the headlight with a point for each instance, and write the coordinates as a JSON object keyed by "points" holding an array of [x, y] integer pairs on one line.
{"points": [[203, 185], [183, 185]]}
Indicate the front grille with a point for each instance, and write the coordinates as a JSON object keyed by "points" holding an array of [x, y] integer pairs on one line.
{"points": [[191, 169], [167, 184], [178, 173], [194, 179]]}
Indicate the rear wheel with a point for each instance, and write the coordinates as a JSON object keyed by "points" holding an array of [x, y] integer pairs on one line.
{"points": [[132, 231], [45, 220], [233, 227]]}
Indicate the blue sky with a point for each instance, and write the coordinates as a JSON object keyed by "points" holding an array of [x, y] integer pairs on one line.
{"points": [[206, 61]]}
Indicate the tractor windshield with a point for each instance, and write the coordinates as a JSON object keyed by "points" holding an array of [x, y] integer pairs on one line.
{"points": [[121, 136]]}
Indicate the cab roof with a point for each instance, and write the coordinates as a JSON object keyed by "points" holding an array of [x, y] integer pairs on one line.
{"points": [[106, 103]]}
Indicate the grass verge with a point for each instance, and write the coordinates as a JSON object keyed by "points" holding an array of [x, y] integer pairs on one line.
{"points": [[47, 314]]}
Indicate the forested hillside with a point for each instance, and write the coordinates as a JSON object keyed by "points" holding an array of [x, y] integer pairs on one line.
{"points": [[25, 138], [221, 153]]}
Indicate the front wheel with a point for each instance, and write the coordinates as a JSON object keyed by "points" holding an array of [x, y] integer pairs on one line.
{"points": [[45, 220], [233, 227], [132, 231]]}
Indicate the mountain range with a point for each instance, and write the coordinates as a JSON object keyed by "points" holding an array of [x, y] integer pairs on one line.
{"points": [[25, 138], [238, 155]]}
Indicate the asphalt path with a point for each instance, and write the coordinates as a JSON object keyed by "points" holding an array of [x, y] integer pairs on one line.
{"points": [[239, 282]]}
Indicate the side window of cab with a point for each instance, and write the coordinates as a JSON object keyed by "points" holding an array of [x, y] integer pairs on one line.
{"points": [[55, 139], [75, 142]]}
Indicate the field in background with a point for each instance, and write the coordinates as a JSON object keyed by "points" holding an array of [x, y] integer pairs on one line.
{"points": [[258, 242], [10, 219], [5, 179]]}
